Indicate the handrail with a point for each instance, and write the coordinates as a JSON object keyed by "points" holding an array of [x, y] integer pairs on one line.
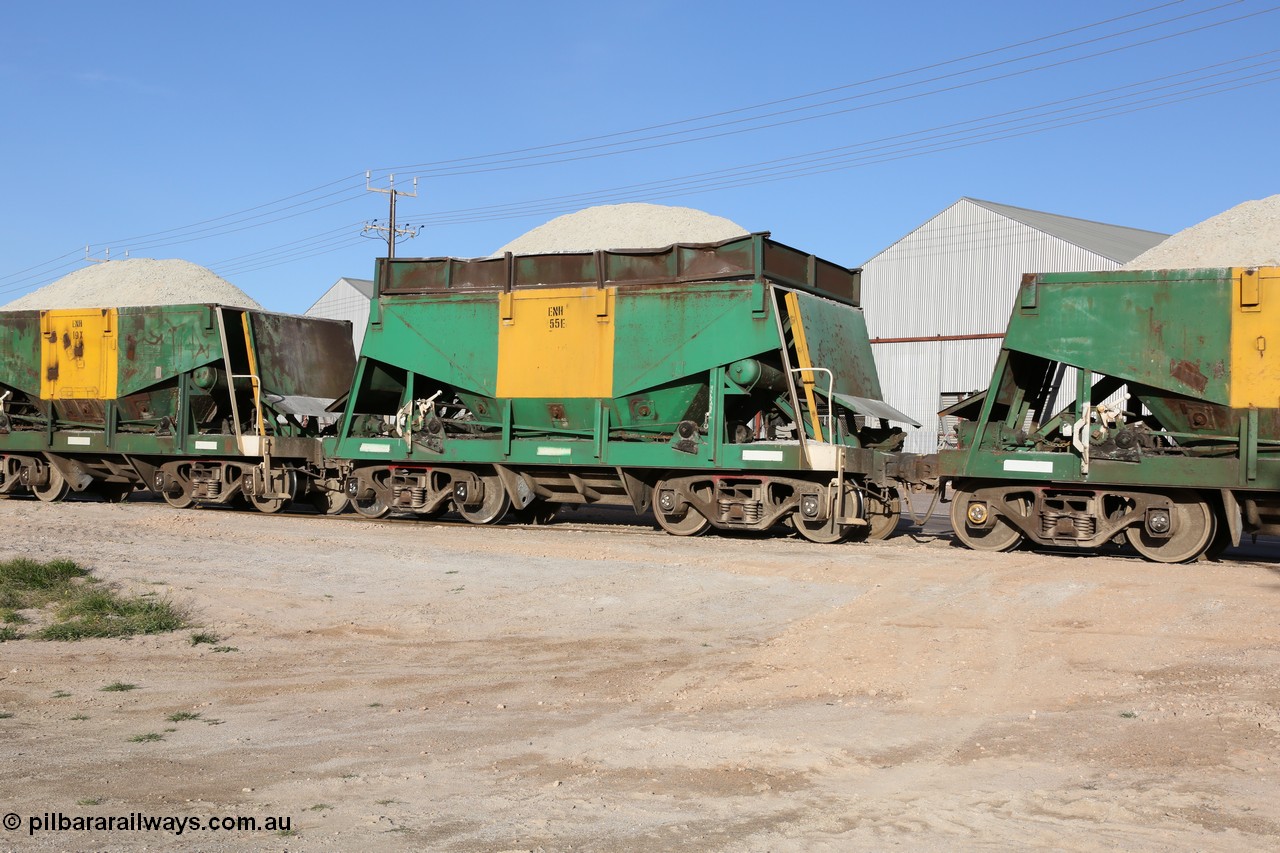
{"points": [[831, 384]]}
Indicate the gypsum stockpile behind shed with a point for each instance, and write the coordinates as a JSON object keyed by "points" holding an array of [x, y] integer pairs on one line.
{"points": [[1169, 437], [201, 402], [726, 384]]}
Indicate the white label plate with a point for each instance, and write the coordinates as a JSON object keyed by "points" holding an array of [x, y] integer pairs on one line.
{"points": [[206, 445], [762, 455], [554, 451], [367, 447], [78, 439], [1031, 466]]}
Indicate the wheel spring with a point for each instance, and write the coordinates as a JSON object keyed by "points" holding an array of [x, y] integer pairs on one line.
{"points": [[1059, 525], [206, 488], [749, 512], [417, 496]]}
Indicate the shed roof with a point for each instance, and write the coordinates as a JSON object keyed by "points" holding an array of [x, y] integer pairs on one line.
{"points": [[1115, 242], [363, 286]]}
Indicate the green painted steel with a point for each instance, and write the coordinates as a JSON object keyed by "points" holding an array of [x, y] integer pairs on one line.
{"points": [[689, 337], [171, 377], [20, 351], [1132, 325]]}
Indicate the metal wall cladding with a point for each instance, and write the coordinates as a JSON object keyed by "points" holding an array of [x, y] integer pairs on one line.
{"points": [[915, 376], [959, 272], [344, 302], [956, 275]]}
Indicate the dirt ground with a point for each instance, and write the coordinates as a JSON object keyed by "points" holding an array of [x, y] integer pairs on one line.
{"points": [[602, 686]]}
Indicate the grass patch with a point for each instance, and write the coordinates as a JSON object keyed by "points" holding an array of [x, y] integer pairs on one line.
{"points": [[206, 638], [149, 737], [78, 717], [118, 687], [224, 649], [4, 715], [1128, 715], [105, 613], [319, 807], [92, 801], [80, 606], [183, 716]]}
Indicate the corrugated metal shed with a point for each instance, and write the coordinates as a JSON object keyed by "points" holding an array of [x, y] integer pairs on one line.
{"points": [[937, 301], [347, 299]]}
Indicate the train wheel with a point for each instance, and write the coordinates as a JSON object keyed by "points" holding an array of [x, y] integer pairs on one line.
{"points": [[492, 507], [55, 490], [174, 487], [830, 531], [1194, 526], [113, 493], [823, 532], [883, 516], [181, 499], [273, 505], [328, 497], [371, 507], [268, 505], [998, 535], [685, 521]]}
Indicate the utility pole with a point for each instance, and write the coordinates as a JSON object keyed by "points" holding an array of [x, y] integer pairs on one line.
{"points": [[390, 229]]}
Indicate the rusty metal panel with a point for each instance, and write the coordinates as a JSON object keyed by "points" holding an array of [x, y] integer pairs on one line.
{"points": [[159, 342], [303, 356], [20, 351], [753, 257]]}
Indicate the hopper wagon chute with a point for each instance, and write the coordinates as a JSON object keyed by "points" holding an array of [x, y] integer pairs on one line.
{"points": [[203, 403], [726, 385]]}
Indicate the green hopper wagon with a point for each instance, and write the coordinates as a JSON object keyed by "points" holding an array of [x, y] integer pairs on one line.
{"points": [[202, 403], [1127, 407], [726, 385]]}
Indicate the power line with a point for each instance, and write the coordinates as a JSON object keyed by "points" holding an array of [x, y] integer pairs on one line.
{"points": [[995, 120], [613, 149], [308, 202], [792, 98]]}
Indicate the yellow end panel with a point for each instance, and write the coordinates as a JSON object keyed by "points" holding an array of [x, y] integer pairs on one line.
{"points": [[1255, 338], [556, 343], [78, 354]]}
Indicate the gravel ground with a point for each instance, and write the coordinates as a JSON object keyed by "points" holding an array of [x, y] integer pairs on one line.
{"points": [[616, 226], [1247, 235], [135, 281], [596, 685]]}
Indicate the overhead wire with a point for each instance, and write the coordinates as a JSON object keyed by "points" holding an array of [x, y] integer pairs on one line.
{"points": [[304, 203], [420, 170], [806, 95], [539, 205]]}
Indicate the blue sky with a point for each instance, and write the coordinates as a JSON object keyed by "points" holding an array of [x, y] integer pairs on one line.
{"points": [[236, 135]]}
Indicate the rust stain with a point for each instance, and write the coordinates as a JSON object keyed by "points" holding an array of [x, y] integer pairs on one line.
{"points": [[1188, 374]]}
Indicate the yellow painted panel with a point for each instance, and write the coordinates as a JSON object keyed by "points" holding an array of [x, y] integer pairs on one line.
{"points": [[556, 342], [78, 354], [1255, 338]]}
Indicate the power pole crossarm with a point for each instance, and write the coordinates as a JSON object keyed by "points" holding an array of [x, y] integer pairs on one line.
{"points": [[390, 229]]}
